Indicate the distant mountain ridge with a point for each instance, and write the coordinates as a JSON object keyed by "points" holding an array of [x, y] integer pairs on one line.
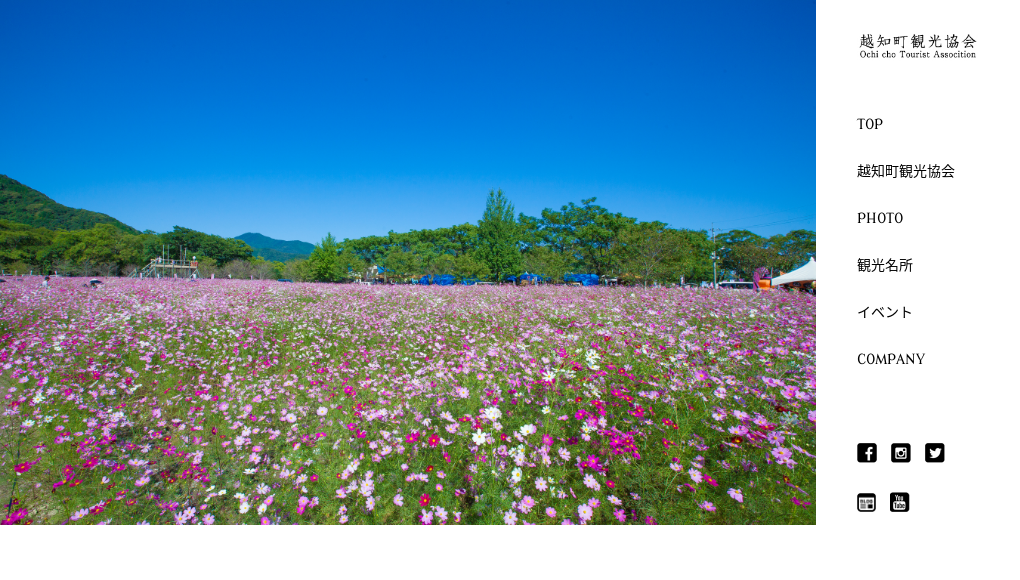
{"points": [[276, 250], [22, 204]]}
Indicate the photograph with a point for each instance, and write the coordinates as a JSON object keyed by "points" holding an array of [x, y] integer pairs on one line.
{"points": [[454, 263]]}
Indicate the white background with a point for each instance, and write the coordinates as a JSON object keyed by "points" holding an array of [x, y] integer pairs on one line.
{"points": [[961, 235]]}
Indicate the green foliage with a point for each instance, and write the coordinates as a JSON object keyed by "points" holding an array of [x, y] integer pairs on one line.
{"points": [[298, 271], [499, 237], [691, 256], [742, 252], [455, 240], [652, 252], [584, 238], [351, 265], [101, 249], [198, 244], [594, 232], [402, 264], [542, 260], [468, 266], [324, 262], [22, 204]]}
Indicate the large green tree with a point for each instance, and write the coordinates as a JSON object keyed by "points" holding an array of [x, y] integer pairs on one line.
{"points": [[742, 252], [588, 232], [198, 244], [542, 260], [646, 249], [324, 262], [499, 237]]}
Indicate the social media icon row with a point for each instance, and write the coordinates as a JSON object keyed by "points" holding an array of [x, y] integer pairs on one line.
{"points": [[898, 502], [900, 452]]}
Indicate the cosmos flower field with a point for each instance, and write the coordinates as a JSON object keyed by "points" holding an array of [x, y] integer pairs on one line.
{"points": [[238, 402]]}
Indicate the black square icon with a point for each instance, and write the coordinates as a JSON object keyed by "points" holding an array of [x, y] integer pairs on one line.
{"points": [[899, 502], [934, 452], [901, 452], [865, 502], [867, 453]]}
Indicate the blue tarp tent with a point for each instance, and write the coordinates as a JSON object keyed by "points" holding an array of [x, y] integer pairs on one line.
{"points": [[532, 277], [583, 279], [443, 280]]}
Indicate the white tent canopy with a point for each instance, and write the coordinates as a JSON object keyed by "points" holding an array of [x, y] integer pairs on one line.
{"points": [[805, 273]]}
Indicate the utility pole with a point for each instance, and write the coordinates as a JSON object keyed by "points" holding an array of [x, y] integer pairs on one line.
{"points": [[715, 257]]}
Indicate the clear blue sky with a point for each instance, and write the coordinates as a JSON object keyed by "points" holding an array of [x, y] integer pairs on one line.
{"points": [[294, 119]]}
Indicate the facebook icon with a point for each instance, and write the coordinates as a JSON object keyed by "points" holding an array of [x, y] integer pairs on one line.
{"points": [[866, 453]]}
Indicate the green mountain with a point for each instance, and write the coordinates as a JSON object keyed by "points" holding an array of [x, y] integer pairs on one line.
{"points": [[22, 204], [277, 256], [276, 250]]}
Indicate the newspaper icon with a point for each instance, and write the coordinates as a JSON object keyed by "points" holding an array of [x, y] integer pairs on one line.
{"points": [[865, 502]]}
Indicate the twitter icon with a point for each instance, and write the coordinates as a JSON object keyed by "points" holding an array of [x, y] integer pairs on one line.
{"points": [[934, 452]]}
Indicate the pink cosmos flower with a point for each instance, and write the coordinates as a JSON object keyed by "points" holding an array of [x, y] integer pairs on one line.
{"points": [[782, 453], [527, 502], [585, 512], [23, 467]]}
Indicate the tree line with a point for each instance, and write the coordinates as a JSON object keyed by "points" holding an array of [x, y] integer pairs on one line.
{"points": [[105, 250], [576, 239]]}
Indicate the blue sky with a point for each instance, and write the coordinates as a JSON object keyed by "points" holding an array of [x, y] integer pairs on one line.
{"points": [[296, 119]]}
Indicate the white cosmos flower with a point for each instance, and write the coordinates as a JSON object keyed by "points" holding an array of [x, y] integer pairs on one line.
{"points": [[492, 413], [478, 437]]}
